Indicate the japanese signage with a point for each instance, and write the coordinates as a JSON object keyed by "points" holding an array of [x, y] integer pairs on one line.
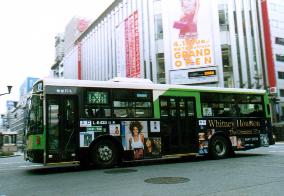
{"points": [[191, 33], [132, 46]]}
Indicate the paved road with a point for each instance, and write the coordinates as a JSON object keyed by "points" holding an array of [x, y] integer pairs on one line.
{"points": [[255, 172]]}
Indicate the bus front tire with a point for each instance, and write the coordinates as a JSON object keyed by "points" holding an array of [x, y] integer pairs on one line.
{"points": [[219, 147], [104, 154]]}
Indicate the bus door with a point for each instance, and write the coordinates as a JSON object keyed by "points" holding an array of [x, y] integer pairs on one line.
{"points": [[178, 124], [62, 129]]}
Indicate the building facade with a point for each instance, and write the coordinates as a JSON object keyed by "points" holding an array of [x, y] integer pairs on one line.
{"points": [[276, 27], [65, 41], [57, 67], [147, 39], [192, 42], [14, 120]]}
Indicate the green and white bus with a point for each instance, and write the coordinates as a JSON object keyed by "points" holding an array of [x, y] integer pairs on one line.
{"points": [[106, 122]]}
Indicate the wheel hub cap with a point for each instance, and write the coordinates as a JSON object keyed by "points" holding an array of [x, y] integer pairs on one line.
{"points": [[105, 153], [220, 149]]}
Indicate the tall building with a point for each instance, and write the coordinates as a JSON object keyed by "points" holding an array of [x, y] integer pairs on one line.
{"points": [[148, 39], [15, 118], [76, 26], [215, 43], [275, 30], [65, 41]]}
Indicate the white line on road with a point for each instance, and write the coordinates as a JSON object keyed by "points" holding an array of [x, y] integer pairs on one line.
{"points": [[25, 166], [276, 151], [10, 163], [18, 167]]}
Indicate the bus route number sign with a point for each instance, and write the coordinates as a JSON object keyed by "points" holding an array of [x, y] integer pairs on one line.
{"points": [[97, 97]]}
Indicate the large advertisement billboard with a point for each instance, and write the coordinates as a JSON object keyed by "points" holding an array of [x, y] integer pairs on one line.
{"points": [[191, 34], [191, 37]]}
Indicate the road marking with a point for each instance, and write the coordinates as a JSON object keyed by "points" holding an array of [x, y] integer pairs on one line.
{"points": [[276, 146], [273, 151], [10, 163], [5, 168], [25, 166]]}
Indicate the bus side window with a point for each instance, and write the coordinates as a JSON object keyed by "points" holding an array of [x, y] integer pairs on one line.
{"points": [[100, 113], [164, 107], [190, 105], [257, 111], [173, 109]]}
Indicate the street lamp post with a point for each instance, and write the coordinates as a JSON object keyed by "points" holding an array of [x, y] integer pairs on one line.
{"points": [[9, 90]]}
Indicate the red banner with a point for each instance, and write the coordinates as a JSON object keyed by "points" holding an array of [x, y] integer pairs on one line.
{"points": [[79, 61], [268, 46], [132, 46]]}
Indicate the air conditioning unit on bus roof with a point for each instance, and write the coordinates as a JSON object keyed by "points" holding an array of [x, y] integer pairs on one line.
{"points": [[131, 80]]}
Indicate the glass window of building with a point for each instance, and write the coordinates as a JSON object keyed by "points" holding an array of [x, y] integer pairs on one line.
{"points": [[161, 78], [279, 40], [281, 92], [158, 26], [223, 17], [280, 75], [280, 57], [227, 66]]}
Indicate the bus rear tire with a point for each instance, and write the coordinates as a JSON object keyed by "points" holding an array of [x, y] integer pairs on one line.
{"points": [[104, 154], [219, 147]]}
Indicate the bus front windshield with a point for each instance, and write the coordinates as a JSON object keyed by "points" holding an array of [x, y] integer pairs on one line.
{"points": [[35, 117]]}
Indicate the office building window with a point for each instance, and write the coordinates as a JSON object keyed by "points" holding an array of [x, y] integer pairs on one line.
{"points": [[280, 57], [280, 75], [223, 17], [281, 91], [279, 40], [158, 26]]}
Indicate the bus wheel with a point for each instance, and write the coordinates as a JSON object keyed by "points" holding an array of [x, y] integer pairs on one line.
{"points": [[104, 154], [218, 148]]}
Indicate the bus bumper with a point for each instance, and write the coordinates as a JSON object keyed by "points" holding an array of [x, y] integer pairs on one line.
{"points": [[35, 156]]}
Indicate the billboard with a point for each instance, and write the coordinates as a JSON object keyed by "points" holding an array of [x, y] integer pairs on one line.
{"points": [[191, 33], [132, 46]]}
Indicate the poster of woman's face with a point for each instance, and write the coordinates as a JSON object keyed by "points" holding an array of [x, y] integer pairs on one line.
{"points": [[137, 130], [152, 147], [114, 129]]}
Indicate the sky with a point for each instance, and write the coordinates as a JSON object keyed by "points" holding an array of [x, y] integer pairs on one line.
{"points": [[27, 37]]}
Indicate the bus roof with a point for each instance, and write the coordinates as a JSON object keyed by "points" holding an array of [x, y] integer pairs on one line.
{"points": [[135, 83]]}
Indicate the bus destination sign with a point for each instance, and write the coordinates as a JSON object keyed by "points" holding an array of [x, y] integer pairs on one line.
{"points": [[64, 90], [96, 97]]}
